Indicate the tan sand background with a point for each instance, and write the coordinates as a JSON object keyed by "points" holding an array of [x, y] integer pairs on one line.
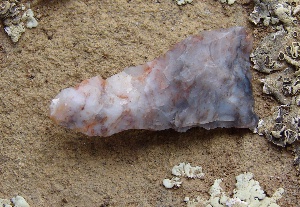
{"points": [[75, 40]]}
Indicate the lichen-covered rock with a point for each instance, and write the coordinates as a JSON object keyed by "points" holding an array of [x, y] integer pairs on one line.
{"points": [[272, 12], [265, 56], [278, 56], [15, 31], [13, 15], [202, 81], [282, 128]]}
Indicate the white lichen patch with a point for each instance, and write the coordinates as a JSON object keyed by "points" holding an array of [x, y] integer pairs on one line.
{"points": [[183, 2], [173, 183], [215, 189], [247, 189], [227, 1], [186, 170], [183, 170], [247, 193]]}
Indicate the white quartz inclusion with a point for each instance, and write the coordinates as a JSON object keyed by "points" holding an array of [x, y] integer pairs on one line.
{"points": [[202, 81]]}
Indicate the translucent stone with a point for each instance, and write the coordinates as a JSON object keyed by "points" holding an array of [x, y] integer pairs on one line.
{"points": [[203, 81]]}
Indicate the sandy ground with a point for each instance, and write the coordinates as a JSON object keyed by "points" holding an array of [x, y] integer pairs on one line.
{"points": [[75, 40]]}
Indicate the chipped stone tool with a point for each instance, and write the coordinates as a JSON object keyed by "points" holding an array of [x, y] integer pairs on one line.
{"points": [[202, 81]]}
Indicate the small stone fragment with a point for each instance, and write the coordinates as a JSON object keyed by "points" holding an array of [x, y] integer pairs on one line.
{"points": [[28, 16], [17, 201], [202, 81]]}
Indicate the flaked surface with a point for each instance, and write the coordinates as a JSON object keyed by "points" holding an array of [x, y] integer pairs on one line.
{"points": [[202, 81]]}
